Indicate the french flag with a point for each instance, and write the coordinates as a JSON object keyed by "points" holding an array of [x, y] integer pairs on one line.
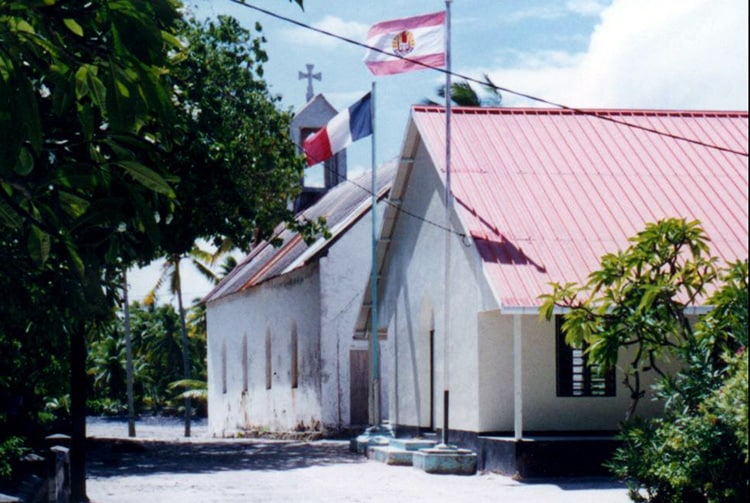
{"points": [[346, 127]]}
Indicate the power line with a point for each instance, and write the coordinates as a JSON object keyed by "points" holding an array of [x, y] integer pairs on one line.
{"points": [[400, 209], [397, 207], [520, 94]]}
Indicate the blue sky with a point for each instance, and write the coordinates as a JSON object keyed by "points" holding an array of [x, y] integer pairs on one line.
{"points": [[666, 54]]}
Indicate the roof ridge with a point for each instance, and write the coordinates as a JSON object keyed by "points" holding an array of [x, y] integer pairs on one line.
{"points": [[582, 111]]}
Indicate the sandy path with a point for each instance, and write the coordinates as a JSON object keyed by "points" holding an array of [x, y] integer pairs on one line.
{"points": [[161, 466]]}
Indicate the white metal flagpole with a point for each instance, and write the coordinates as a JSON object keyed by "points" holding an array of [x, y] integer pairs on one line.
{"points": [[448, 206], [374, 344]]}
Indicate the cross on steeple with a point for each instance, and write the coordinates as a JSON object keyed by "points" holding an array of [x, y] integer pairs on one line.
{"points": [[310, 76]]}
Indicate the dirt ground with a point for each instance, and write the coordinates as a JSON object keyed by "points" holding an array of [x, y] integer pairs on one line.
{"points": [[162, 466]]}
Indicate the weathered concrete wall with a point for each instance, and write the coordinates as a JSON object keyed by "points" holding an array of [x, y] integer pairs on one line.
{"points": [[319, 303], [343, 278], [249, 330]]}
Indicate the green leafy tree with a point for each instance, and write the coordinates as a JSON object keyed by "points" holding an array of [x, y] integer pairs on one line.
{"points": [[638, 301], [107, 357], [33, 353], [85, 113], [83, 101], [637, 304], [698, 449], [157, 355], [237, 160]]}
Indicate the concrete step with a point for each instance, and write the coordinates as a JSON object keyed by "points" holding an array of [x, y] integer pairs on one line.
{"points": [[412, 444], [399, 451], [391, 455]]}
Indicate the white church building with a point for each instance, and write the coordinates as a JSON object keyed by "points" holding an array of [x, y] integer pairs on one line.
{"points": [[281, 355]]}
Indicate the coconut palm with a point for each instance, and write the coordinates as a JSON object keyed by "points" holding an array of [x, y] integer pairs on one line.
{"points": [[107, 363], [196, 389], [463, 94], [202, 261]]}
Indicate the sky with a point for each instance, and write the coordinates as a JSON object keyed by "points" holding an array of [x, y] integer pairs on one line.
{"points": [[666, 54]]}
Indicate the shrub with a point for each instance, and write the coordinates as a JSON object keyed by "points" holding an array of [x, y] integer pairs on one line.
{"points": [[11, 450], [698, 450]]}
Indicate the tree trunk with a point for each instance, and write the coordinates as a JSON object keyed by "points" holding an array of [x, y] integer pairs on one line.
{"points": [[78, 414], [128, 356], [185, 350]]}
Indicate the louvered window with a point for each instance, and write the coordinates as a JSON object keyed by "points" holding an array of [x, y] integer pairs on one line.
{"points": [[574, 376]]}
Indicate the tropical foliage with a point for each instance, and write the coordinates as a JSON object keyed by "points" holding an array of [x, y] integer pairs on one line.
{"points": [[94, 166], [157, 361], [638, 304], [464, 94]]}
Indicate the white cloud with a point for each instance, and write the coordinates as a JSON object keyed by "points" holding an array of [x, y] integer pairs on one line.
{"points": [[332, 24], [688, 54], [674, 54]]}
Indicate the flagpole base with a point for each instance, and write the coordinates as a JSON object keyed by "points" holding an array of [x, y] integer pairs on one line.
{"points": [[374, 436]]}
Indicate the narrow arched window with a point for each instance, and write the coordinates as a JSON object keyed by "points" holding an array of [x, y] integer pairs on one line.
{"points": [[245, 378], [269, 370], [295, 357], [223, 366]]}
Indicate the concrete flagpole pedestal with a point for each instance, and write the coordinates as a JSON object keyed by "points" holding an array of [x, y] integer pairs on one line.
{"points": [[446, 460], [374, 436]]}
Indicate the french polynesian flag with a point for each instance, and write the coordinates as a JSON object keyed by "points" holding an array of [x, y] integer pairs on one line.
{"points": [[403, 45], [346, 127]]}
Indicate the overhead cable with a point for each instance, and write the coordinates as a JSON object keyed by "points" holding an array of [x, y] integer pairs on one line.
{"points": [[579, 111]]}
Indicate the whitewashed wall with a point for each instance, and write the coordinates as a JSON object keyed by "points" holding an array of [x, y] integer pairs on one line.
{"points": [[320, 301], [274, 309], [413, 305], [343, 278]]}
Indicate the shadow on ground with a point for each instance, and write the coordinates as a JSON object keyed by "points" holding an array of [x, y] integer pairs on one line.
{"points": [[578, 483], [116, 457]]}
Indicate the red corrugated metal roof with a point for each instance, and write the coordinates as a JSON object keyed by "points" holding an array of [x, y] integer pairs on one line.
{"points": [[545, 193]]}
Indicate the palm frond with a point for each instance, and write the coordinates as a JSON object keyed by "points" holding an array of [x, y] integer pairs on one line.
{"points": [[205, 271]]}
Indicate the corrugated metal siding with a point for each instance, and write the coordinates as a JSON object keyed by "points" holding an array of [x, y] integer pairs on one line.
{"points": [[545, 193], [338, 205]]}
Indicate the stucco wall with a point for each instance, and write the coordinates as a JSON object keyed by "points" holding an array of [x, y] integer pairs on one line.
{"points": [[321, 300], [343, 278], [275, 310], [413, 305], [495, 334], [543, 410]]}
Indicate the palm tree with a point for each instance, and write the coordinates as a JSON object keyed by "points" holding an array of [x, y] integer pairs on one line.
{"points": [[463, 94], [107, 362], [203, 261]]}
